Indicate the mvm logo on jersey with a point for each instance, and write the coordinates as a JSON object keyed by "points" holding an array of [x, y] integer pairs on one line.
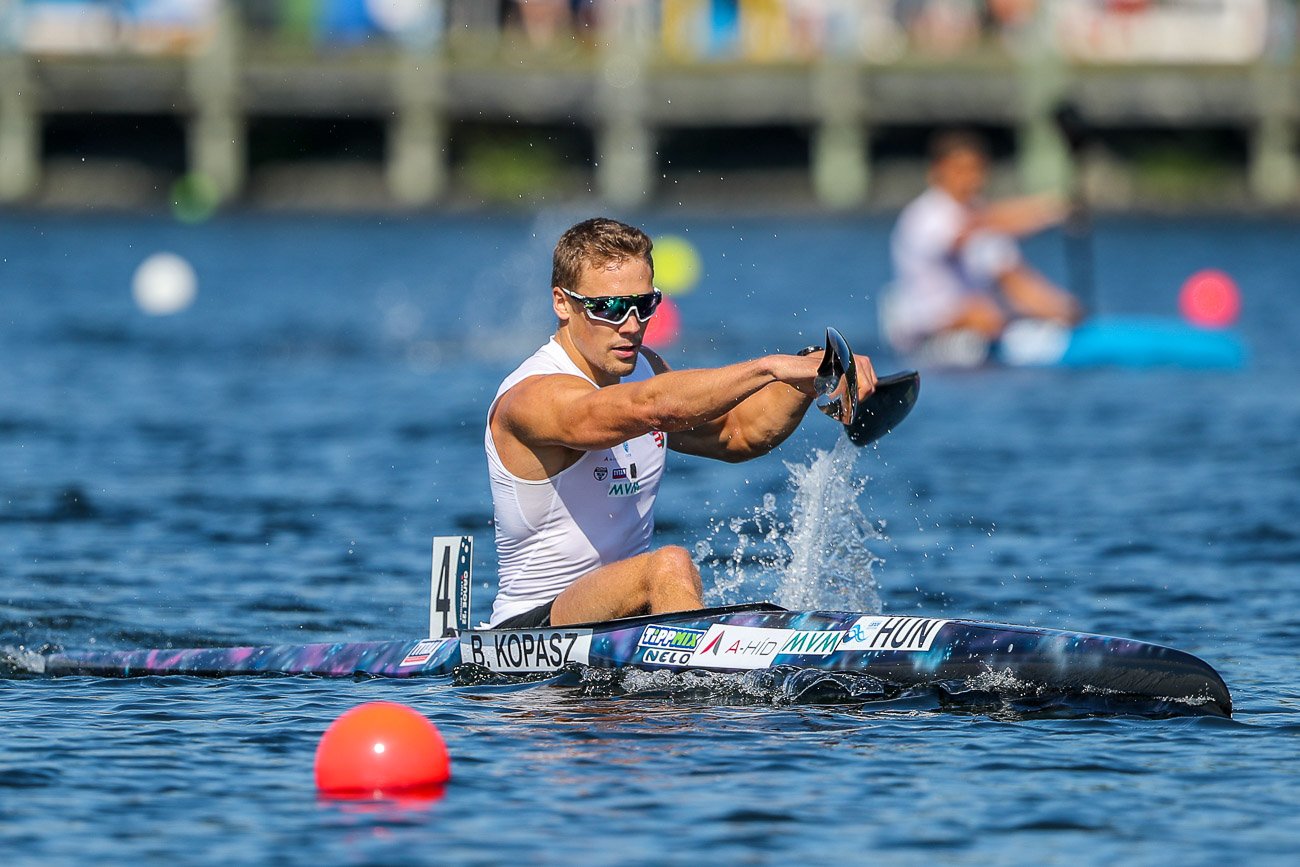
{"points": [[624, 489]]}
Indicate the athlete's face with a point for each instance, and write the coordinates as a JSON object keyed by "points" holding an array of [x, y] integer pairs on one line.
{"points": [[609, 350], [962, 174]]}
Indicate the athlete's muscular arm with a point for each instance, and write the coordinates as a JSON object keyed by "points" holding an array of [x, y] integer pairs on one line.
{"points": [[750, 428], [760, 422], [567, 411]]}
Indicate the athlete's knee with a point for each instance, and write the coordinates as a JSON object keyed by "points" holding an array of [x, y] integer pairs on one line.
{"points": [[673, 560], [674, 566]]}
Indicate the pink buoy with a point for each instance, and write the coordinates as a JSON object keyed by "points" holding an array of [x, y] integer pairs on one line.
{"points": [[1210, 299], [665, 326]]}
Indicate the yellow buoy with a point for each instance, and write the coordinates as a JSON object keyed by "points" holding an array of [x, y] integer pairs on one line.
{"points": [[677, 265]]}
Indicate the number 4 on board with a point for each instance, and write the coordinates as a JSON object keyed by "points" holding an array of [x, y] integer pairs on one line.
{"points": [[449, 585]]}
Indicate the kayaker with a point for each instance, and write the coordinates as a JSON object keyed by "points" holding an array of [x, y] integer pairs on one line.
{"points": [[958, 272], [576, 438]]}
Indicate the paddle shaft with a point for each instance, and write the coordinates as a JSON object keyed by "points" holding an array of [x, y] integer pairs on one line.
{"points": [[1078, 228], [1078, 245]]}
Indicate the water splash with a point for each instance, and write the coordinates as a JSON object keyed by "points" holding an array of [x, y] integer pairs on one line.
{"points": [[779, 686], [818, 558], [20, 662]]}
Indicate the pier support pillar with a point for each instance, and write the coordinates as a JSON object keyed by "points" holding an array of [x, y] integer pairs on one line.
{"points": [[1274, 169], [20, 153], [416, 165], [1043, 155], [625, 143], [841, 170], [217, 135]]}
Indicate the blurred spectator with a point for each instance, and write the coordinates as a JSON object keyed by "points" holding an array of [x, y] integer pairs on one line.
{"points": [[540, 20], [1176, 31], [940, 27], [1009, 19], [97, 26], [759, 31]]}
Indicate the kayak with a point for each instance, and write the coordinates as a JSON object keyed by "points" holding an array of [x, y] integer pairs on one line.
{"points": [[904, 651], [1105, 341], [1134, 342]]}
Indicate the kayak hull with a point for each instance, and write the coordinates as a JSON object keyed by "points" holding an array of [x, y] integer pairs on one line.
{"points": [[906, 651]]}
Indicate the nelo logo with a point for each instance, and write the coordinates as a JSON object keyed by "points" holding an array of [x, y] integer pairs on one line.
{"points": [[668, 645]]}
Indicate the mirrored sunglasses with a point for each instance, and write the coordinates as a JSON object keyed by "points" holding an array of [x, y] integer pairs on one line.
{"points": [[615, 309]]}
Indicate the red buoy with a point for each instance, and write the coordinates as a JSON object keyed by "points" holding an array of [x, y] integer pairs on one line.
{"points": [[1210, 299], [664, 326], [378, 748]]}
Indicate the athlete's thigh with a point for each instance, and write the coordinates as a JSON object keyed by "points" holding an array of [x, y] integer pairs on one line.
{"points": [[616, 590]]}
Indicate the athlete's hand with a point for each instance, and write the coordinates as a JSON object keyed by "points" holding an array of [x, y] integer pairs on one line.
{"points": [[866, 377], [797, 371], [838, 406]]}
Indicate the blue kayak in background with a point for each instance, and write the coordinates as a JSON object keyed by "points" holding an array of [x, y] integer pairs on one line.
{"points": [[1152, 341], [1110, 341]]}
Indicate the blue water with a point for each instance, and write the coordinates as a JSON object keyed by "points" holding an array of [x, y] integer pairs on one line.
{"points": [[268, 467]]}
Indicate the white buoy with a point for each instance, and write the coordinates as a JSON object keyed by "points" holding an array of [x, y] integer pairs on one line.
{"points": [[164, 284], [398, 15]]}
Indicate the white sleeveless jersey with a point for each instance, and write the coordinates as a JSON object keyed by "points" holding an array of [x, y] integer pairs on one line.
{"points": [[597, 511]]}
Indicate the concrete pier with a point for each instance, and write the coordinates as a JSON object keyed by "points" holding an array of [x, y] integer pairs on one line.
{"points": [[625, 96], [841, 172], [1274, 169], [1043, 82], [417, 165], [19, 130], [625, 141], [216, 129], [19, 114]]}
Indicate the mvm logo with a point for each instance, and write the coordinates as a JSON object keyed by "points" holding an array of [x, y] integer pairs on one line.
{"points": [[820, 642], [624, 489]]}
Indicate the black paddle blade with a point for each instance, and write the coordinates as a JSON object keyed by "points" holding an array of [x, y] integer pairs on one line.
{"points": [[884, 408]]}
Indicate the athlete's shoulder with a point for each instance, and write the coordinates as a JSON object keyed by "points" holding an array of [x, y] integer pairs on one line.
{"points": [[548, 359], [650, 362]]}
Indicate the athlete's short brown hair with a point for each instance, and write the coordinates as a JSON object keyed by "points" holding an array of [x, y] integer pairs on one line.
{"points": [[596, 243]]}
